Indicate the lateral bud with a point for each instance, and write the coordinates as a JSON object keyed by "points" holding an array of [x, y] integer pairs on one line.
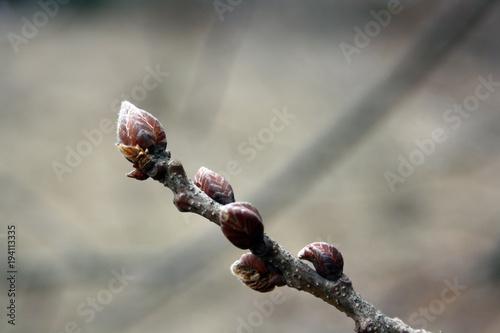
{"points": [[183, 202], [242, 225], [257, 274], [326, 259], [214, 185]]}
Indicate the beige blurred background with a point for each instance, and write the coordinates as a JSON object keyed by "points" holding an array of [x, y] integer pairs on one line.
{"points": [[98, 252]]}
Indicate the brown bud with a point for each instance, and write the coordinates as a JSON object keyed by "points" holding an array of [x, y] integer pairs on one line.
{"points": [[242, 225], [139, 134], [183, 202], [137, 127], [132, 153], [327, 260], [257, 274], [137, 174], [214, 185]]}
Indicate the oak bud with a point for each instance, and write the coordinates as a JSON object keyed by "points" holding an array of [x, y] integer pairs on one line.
{"points": [[242, 225], [139, 134], [257, 274], [183, 202], [137, 127], [326, 259], [214, 185]]}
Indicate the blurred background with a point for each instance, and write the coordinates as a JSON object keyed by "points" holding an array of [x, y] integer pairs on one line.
{"points": [[370, 125]]}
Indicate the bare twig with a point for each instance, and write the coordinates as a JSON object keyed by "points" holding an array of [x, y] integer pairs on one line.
{"points": [[142, 141]]}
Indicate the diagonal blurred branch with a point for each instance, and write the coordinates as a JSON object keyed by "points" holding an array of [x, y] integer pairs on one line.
{"points": [[339, 136], [213, 72]]}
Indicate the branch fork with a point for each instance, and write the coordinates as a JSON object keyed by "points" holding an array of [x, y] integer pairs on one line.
{"points": [[142, 141]]}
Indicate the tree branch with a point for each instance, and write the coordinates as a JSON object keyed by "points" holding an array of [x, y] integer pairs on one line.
{"points": [[143, 142]]}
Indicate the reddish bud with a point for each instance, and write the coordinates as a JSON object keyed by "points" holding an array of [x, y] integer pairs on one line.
{"points": [[137, 174], [139, 134], [327, 260], [137, 127], [242, 225], [183, 202], [214, 185], [257, 274]]}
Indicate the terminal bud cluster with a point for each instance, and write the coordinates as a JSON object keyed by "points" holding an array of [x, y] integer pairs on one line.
{"points": [[139, 134]]}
